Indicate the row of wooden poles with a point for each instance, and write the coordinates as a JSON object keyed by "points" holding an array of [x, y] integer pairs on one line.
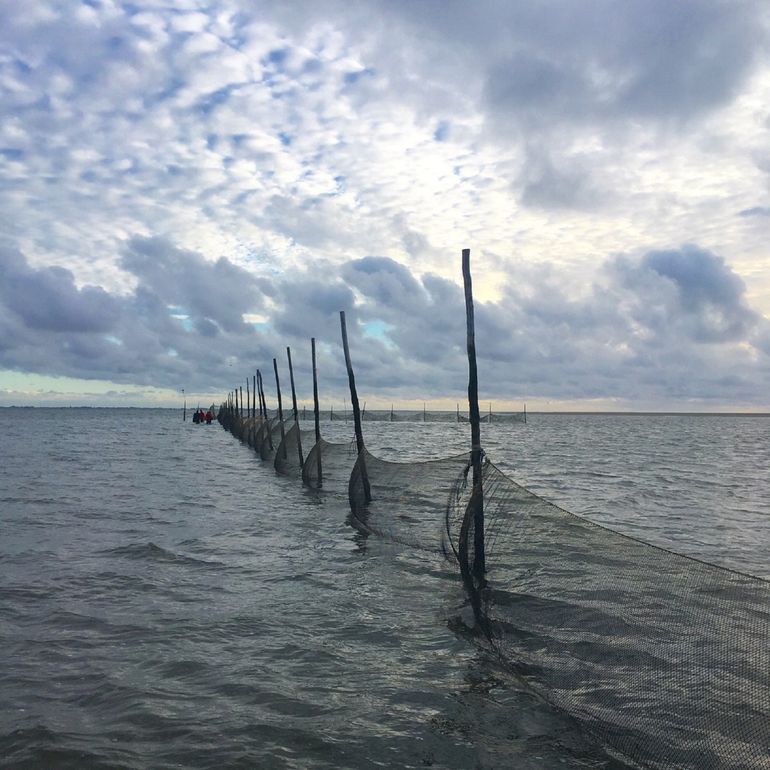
{"points": [[256, 406]]}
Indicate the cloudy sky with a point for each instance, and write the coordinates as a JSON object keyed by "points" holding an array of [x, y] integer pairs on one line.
{"points": [[187, 187]]}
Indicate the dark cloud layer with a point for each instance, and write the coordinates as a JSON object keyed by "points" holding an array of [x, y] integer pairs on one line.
{"points": [[671, 324]]}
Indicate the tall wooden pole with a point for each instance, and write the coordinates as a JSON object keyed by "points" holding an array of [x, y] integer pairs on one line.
{"points": [[294, 408], [280, 408], [316, 415], [268, 429], [262, 410], [241, 389], [479, 566], [184, 408], [356, 410]]}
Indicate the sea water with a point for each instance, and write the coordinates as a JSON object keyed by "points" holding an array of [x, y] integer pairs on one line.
{"points": [[167, 600]]}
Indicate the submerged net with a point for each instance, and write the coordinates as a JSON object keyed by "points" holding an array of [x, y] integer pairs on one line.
{"points": [[663, 658]]}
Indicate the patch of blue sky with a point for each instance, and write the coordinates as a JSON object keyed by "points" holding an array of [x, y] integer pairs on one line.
{"points": [[216, 98], [442, 131], [12, 153], [277, 56], [377, 330], [351, 78], [285, 138]]}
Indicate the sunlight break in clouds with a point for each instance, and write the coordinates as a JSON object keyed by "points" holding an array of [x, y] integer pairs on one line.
{"points": [[171, 174]]}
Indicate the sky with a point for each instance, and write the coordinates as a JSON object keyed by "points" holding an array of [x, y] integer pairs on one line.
{"points": [[189, 187]]}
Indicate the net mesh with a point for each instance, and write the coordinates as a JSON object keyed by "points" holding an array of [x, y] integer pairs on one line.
{"points": [[663, 658]]}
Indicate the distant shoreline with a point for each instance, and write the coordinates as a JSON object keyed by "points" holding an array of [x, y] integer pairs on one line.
{"points": [[575, 413]]}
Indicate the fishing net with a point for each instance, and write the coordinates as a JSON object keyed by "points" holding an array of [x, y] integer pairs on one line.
{"points": [[290, 455], [664, 658], [407, 501]]}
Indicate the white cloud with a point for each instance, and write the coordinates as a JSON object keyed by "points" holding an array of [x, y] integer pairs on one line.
{"points": [[538, 135]]}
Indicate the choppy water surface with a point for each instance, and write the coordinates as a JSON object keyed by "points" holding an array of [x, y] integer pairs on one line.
{"points": [[167, 600]]}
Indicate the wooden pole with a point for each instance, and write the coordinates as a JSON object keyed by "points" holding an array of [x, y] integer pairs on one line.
{"points": [[254, 391], [294, 408], [262, 411], [479, 565], [525, 412], [280, 408], [316, 415], [264, 408], [356, 410], [241, 389], [184, 408]]}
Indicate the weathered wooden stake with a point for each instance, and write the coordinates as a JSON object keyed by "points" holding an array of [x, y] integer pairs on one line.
{"points": [[280, 408], [254, 391], [184, 408], [356, 410], [294, 408], [241, 389], [479, 566], [268, 429], [316, 415]]}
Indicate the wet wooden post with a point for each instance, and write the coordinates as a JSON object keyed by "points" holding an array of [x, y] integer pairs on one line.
{"points": [[525, 412], [316, 415], [262, 411], [241, 389], [184, 407], [479, 566], [280, 407], [391, 412], [268, 429], [294, 408], [254, 391], [458, 412], [424, 418], [356, 410]]}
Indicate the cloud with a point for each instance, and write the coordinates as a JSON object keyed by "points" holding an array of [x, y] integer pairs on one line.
{"points": [[669, 324], [169, 174], [47, 299]]}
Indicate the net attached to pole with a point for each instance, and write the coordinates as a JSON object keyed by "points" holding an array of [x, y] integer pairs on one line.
{"points": [[409, 500], [287, 454], [664, 658]]}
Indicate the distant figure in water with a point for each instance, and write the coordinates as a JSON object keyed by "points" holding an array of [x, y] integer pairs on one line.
{"points": [[197, 416], [209, 417]]}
